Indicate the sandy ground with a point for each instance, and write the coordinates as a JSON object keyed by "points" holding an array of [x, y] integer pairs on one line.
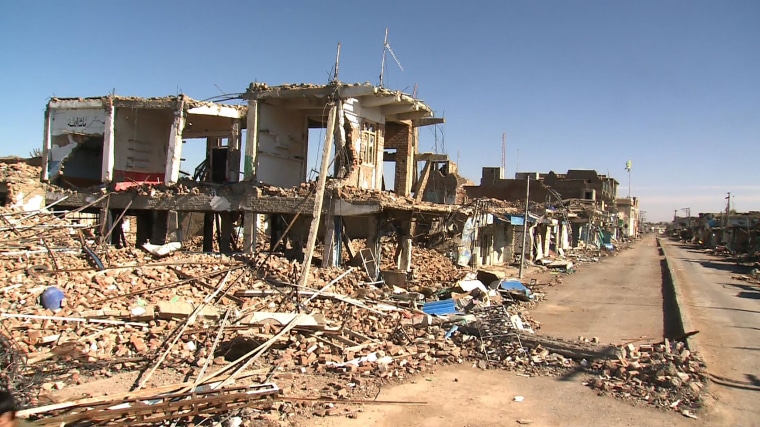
{"points": [[466, 396]]}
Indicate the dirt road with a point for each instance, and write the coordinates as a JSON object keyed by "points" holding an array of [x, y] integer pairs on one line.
{"points": [[617, 300], [466, 396], [727, 314]]}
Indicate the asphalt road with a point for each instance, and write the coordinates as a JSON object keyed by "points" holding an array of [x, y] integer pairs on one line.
{"points": [[726, 312]]}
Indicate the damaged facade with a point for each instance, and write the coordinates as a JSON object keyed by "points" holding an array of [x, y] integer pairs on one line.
{"points": [[255, 175], [254, 182], [577, 209]]}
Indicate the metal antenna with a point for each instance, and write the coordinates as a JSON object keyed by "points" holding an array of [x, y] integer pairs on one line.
{"points": [[337, 63], [387, 48]]}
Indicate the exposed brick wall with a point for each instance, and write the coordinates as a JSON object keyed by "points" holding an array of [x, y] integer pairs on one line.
{"points": [[401, 137]]}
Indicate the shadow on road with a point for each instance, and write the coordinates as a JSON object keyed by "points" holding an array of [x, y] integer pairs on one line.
{"points": [[746, 291], [750, 295], [747, 348], [752, 383], [723, 266], [747, 327], [726, 308], [672, 325]]}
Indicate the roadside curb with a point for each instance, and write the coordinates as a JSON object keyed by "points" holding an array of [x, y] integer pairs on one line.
{"points": [[675, 287]]}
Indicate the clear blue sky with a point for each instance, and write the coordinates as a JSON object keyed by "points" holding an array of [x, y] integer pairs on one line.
{"points": [[672, 85]]}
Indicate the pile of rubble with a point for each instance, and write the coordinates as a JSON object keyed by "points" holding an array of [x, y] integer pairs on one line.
{"points": [[78, 311], [667, 375], [19, 182], [238, 330]]}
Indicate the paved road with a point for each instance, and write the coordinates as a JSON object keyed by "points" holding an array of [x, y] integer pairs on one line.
{"points": [[616, 300], [727, 314]]}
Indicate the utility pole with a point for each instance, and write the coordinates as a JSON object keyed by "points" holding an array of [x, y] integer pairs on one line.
{"points": [[728, 207], [504, 154], [525, 226]]}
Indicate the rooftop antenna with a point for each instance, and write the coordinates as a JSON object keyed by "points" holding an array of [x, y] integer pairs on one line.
{"points": [[414, 93], [337, 62], [387, 48]]}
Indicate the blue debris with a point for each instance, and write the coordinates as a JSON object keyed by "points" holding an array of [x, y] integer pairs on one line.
{"points": [[451, 331], [441, 308], [52, 298], [516, 286]]}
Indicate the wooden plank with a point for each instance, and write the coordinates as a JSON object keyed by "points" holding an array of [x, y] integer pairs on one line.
{"points": [[319, 196]]}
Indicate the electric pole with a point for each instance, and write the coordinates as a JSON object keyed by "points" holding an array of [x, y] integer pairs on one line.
{"points": [[525, 225]]}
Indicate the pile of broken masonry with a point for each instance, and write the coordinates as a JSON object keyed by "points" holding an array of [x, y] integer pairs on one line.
{"points": [[239, 330]]}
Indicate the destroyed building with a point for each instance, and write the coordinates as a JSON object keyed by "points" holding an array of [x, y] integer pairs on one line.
{"points": [[120, 158], [628, 216]]}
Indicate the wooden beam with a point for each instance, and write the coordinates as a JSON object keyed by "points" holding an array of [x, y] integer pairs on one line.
{"points": [[319, 196], [422, 182]]}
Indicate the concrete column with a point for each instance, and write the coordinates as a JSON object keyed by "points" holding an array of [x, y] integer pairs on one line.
{"points": [[251, 141], [333, 252], [475, 259], [405, 258], [144, 228], [225, 241], [331, 240], [250, 231], [160, 222], [46, 145], [208, 232], [233, 157], [106, 171], [173, 227], [174, 152], [373, 238]]}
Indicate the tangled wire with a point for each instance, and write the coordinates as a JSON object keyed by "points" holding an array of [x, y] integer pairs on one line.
{"points": [[12, 369]]}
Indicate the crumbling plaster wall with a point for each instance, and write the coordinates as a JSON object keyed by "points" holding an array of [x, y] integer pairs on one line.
{"points": [[141, 140], [282, 146]]}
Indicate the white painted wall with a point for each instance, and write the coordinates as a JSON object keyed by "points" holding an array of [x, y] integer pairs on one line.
{"points": [[141, 139], [88, 121], [282, 146]]}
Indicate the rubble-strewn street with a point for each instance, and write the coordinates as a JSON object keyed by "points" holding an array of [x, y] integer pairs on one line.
{"points": [[190, 334]]}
